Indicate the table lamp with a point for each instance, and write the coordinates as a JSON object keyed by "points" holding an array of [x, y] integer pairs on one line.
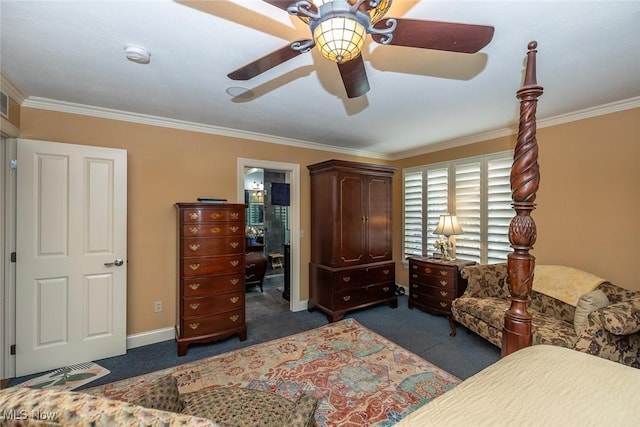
{"points": [[448, 226]]}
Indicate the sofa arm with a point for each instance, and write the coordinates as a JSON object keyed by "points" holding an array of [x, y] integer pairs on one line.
{"points": [[486, 281], [303, 412], [598, 340], [622, 318]]}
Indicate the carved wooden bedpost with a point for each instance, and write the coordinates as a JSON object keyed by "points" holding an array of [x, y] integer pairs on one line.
{"points": [[525, 179]]}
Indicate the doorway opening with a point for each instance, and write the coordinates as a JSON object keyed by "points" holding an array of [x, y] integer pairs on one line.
{"points": [[271, 192]]}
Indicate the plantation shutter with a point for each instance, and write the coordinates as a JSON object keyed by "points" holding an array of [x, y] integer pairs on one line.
{"points": [[413, 213], [499, 210], [477, 190], [437, 202], [468, 209]]}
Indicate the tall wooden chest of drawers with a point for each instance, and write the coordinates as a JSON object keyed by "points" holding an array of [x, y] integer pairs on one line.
{"points": [[434, 284], [211, 289]]}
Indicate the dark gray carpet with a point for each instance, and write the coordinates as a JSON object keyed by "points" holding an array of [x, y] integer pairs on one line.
{"points": [[419, 332]]}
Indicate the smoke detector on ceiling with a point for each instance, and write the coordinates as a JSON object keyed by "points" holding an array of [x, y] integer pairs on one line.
{"points": [[136, 54]]}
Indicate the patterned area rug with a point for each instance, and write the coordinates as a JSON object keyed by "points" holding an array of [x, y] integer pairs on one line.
{"points": [[360, 377]]}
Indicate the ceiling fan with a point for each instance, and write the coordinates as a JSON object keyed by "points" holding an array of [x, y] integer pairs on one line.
{"points": [[339, 28]]}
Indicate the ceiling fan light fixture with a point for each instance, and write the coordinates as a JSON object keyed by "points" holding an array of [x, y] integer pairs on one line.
{"points": [[339, 38]]}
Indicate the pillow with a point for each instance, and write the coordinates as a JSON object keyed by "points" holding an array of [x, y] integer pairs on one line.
{"points": [[585, 305], [162, 394], [622, 318]]}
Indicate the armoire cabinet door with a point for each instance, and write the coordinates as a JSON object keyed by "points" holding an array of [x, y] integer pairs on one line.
{"points": [[378, 219], [351, 220]]}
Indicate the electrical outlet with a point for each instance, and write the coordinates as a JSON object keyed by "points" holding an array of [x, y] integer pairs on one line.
{"points": [[157, 306]]}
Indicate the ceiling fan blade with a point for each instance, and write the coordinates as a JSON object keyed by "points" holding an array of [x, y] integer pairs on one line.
{"points": [[354, 77], [284, 4], [267, 62], [449, 36]]}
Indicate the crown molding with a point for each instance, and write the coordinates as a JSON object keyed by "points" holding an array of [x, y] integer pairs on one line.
{"points": [[145, 119], [8, 87], [112, 114], [587, 113]]}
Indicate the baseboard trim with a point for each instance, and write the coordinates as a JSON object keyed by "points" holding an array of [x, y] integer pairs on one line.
{"points": [[150, 337], [166, 334]]}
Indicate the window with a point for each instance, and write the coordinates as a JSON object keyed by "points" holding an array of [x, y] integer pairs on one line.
{"points": [[477, 190]]}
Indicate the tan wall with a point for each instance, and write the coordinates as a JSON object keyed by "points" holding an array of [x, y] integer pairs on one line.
{"points": [[167, 166], [589, 170], [588, 201]]}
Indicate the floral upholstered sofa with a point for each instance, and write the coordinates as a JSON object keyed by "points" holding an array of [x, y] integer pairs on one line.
{"points": [[160, 404], [585, 313]]}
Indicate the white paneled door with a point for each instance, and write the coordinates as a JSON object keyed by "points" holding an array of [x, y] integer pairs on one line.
{"points": [[71, 270]]}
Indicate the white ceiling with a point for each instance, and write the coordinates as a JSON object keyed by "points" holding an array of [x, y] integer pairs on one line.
{"points": [[70, 54]]}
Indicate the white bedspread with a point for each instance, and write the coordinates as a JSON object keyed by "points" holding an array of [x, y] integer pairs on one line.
{"points": [[539, 386]]}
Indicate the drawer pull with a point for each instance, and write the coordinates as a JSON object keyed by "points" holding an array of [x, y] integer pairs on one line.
{"points": [[194, 306], [443, 304], [234, 244], [234, 318], [443, 272], [415, 295], [346, 279], [193, 230], [234, 229], [215, 230], [235, 215], [415, 267], [234, 262], [216, 215], [444, 282], [194, 247], [386, 289], [415, 276], [346, 297], [444, 293], [427, 270], [234, 299], [194, 325], [194, 286], [234, 281], [414, 285], [193, 215], [385, 271], [194, 267]]}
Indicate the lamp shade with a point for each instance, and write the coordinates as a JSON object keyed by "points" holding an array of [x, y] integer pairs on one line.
{"points": [[448, 226], [339, 39]]}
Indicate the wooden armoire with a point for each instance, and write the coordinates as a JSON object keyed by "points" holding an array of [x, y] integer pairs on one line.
{"points": [[351, 257], [211, 266]]}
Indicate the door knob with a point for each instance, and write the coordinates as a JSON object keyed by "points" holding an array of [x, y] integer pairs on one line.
{"points": [[117, 263]]}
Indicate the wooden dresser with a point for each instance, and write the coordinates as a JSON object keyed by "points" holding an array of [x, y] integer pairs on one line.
{"points": [[211, 267], [351, 258], [255, 265], [434, 284]]}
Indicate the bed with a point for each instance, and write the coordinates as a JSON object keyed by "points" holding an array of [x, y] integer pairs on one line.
{"points": [[540, 385], [537, 385]]}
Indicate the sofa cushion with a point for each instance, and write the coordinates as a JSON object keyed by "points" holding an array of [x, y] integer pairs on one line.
{"points": [[622, 318], [486, 310], [585, 305], [477, 312], [163, 394]]}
